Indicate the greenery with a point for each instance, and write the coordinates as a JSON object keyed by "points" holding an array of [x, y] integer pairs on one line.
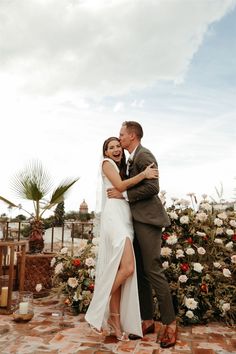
{"points": [[33, 183], [59, 214]]}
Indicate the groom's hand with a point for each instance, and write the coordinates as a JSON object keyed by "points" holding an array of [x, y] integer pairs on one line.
{"points": [[114, 193]]}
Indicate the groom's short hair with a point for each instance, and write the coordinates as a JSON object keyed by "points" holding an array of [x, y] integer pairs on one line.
{"points": [[134, 127]]}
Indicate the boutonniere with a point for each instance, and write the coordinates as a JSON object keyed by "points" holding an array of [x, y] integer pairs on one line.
{"points": [[130, 161]]}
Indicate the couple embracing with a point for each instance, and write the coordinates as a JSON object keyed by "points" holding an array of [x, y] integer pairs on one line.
{"points": [[129, 265]]}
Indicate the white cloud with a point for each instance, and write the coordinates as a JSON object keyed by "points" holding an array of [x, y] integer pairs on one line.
{"points": [[119, 107], [107, 48]]}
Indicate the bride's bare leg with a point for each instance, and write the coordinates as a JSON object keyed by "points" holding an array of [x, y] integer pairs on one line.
{"points": [[126, 267], [115, 301]]}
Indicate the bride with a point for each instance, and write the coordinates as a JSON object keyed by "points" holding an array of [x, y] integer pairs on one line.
{"points": [[115, 303]]}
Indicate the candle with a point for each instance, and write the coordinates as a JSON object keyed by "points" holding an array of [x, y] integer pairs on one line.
{"points": [[23, 308], [4, 296]]}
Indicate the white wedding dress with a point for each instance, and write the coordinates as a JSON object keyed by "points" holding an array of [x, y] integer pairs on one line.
{"points": [[116, 226]]}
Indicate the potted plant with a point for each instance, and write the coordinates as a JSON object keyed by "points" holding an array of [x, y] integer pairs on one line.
{"points": [[33, 183]]}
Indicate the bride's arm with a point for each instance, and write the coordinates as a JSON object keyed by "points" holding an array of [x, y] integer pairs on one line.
{"points": [[114, 177]]}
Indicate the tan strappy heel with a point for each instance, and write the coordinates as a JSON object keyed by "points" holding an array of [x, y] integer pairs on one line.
{"points": [[114, 329]]}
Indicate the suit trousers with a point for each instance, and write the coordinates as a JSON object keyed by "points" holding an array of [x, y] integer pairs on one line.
{"points": [[147, 247]]}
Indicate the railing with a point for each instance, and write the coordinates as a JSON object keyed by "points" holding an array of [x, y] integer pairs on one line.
{"points": [[67, 233]]}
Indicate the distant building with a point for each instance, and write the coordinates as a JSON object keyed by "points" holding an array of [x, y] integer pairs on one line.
{"points": [[83, 209]]}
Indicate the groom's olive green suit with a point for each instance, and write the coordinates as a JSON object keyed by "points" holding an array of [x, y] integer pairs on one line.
{"points": [[149, 216]]}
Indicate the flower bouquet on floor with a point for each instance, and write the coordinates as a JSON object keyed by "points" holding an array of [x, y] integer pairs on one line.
{"points": [[74, 275]]}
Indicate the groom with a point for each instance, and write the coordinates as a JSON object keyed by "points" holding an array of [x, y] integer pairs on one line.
{"points": [[149, 216]]}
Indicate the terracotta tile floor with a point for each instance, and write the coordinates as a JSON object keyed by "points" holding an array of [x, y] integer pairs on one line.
{"points": [[50, 332]]}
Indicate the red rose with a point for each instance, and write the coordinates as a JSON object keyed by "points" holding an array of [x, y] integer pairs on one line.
{"points": [[165, 236], [204, 288], [91, 286], [190, 240], [234, 237], [76, 262], [184, 267]]}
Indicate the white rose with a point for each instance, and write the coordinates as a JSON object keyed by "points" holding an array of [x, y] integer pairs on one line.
{"points": [[233, 258], [226, 272], [218, 222], [201, 216], [179, 254], [189, 314], [64, 250], [184, 219], [197, 267], [223, 215], [53, 261], [232, 223], [173, 215], [199, 233], [190, 251], [90, 262], [201, 250], [172, 240], [72, 282], [219, 230], [229, 232], [226, 307], [218, 240], [58, 268], [38, 287], [216, 264], [166, 251], [206, 206], [165, 264], [229, 245], [190, 303], [183, 278]]}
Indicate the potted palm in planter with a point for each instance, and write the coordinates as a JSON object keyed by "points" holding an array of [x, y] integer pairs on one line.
{"points": [[33, 183]]}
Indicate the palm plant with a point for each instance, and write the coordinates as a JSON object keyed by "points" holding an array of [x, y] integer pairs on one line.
{"points": [[33, 183]]}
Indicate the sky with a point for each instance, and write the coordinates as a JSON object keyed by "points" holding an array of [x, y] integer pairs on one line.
{"points": [[71, 71]]}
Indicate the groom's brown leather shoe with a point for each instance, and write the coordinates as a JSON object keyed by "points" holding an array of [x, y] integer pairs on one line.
{"points": [[169, 337], [146, 330]]}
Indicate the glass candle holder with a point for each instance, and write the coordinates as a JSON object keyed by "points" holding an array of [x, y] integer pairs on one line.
{"points": [[24, 310], [4, 279]]}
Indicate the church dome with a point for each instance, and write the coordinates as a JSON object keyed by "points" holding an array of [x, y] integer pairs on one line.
{"points": [[83, 207]]}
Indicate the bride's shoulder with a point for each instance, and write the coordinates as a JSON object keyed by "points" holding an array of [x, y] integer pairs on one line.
{"points": [[107, 159]]}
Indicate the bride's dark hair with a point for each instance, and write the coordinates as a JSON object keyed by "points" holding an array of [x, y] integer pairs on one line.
{"points": [[122, 164]]}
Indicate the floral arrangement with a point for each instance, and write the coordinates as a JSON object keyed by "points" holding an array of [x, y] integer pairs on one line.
{"points": [[74, 274], [199, 257]]}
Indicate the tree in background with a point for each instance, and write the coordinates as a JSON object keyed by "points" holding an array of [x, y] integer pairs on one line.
{"points": [[59, 214], [33, 183]]}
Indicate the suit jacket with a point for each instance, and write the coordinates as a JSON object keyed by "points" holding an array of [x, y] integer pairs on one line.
{"points": [[145, 205]]}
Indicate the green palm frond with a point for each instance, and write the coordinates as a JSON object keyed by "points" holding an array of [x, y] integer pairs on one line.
{"points": [[8, 202], [59, 193], [33, 182]]}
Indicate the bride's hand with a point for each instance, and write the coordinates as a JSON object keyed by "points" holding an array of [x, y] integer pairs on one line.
{"points": [[151, 172]]}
